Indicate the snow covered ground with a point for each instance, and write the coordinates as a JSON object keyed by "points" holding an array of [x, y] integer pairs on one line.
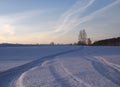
{"points": [[62, 66], [11, 57], [5, 65]]}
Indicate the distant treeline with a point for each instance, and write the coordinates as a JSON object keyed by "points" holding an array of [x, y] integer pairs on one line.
{"points": [[108, 42], [105, 42], [28, 45], [19, 45]]}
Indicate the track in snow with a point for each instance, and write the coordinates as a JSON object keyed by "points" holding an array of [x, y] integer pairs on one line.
{"points": [[8, 78], [61, 77], [109, 70], [64, 77]]}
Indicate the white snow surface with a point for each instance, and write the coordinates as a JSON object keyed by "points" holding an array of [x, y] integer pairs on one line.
{"points": [[64, 66]]}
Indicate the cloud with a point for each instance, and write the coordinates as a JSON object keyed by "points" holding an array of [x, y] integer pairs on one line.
{"points": [[2, 39], [8, 29], [72, 18], [8, 22], [8, 25], [34, 38], [71, 15]]}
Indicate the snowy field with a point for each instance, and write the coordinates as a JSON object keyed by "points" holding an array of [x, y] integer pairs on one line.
{"points": [[60, 66]]}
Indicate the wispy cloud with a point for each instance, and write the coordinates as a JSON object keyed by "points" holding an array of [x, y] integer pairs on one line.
{"points": [[8, 22], [8, 29], [5, 26], [72, 18]]}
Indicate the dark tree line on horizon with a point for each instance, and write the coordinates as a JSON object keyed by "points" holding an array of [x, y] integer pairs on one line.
{"points": [[108, 42], [83, 40]]}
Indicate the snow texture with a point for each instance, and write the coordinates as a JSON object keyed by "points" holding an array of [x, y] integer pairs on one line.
{"points": [[63, 66]]}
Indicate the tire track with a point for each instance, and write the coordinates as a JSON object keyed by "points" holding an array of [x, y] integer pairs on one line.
{"points": [[9, 77], [65, 78], [104, 61], [109, 70]]}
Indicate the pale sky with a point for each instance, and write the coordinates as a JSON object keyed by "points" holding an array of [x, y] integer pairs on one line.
{"points": [[59, 21]]}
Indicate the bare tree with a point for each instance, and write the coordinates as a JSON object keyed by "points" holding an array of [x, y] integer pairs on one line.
{"points": [[52, 43], [89, 42], [82, 39]]}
